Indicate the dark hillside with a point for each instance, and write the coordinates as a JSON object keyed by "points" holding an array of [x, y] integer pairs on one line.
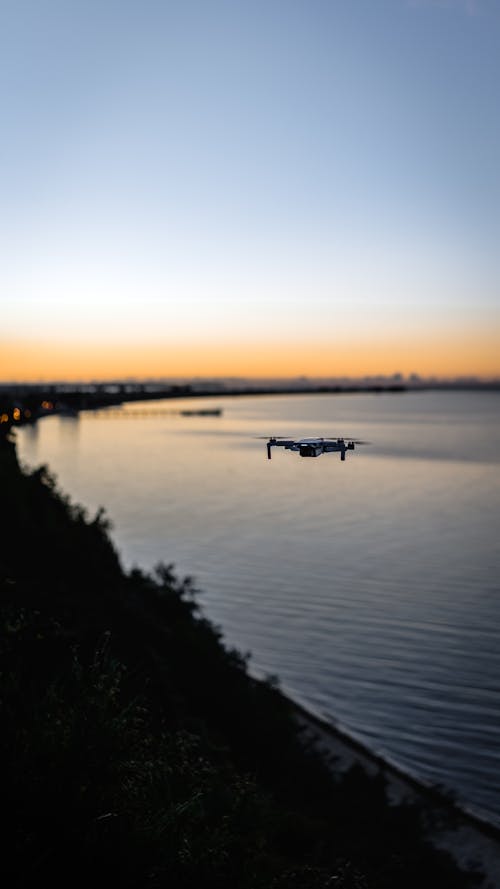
{"points": [[138, 751]]}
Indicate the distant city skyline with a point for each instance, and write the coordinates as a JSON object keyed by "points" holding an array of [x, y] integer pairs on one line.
{"points": [[259, 190], [206, 383]]}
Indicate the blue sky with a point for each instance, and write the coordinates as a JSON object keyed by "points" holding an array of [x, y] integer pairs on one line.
{"points": [[253, 176]]}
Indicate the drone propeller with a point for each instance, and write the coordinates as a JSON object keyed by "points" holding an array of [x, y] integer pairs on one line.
{"points": [[348, 438], [341, 437], [333, 440]]}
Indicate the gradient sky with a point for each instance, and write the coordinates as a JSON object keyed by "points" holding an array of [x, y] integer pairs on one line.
{"points": [[273, 188]]}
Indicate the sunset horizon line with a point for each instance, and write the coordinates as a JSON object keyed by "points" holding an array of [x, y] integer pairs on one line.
{"points": [[397, 377]]}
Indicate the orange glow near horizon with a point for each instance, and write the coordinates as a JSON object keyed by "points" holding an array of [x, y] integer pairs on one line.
{"points": [[463, 355]]}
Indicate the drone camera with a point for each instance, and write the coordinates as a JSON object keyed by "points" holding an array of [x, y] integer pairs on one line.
{"points": [[309, 450]]}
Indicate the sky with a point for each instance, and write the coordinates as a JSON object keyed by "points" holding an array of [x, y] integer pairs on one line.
{"points": [[263, 188]]}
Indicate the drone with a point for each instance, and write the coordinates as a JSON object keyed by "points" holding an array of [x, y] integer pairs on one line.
{"points": [[313, 447]]}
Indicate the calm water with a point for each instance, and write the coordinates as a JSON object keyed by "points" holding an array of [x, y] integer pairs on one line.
{"points": [[371, 587]]}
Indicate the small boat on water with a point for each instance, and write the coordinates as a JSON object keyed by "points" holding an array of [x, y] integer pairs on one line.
{"points": [[205, 412]]}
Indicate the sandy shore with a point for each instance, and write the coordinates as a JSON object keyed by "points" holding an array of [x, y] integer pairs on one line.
{"points": [[472, 843]]}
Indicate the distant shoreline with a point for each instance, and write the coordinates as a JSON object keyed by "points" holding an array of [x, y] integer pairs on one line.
{"points": [[22, 404]]}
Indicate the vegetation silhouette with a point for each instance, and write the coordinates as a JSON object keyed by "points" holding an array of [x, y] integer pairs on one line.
{"points": [[138, 751]]}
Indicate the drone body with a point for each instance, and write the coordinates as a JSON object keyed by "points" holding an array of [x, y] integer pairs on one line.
{"points": [[313, 447]]}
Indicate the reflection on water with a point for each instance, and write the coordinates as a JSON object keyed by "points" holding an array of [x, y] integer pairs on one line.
{"points": [[64, 442], [371, 587], [69, 428], [28, 438]]}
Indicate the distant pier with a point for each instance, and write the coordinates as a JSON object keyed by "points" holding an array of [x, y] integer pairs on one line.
{"points": [[120, 413]]}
